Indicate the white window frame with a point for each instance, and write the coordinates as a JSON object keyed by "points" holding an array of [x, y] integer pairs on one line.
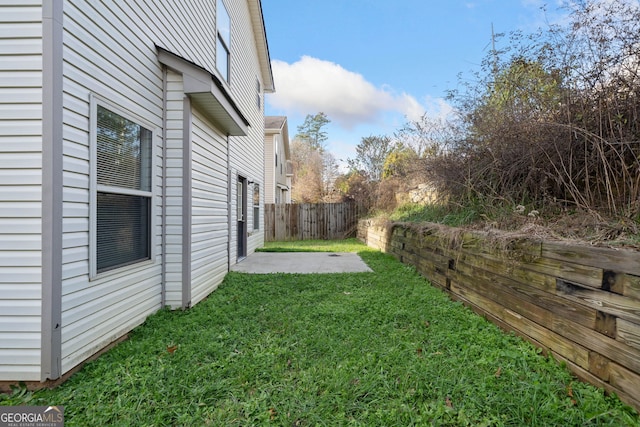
{"points": [[240, 213], [258, 95], [220, 40], [256, 206], [94, 188]]}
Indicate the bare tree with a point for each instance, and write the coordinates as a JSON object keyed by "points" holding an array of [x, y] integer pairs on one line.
{"points": [[554, 117], [307, 183], [428, 135], [371, 153]]}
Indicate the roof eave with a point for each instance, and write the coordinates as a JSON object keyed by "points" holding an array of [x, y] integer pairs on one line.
{"points": [[257, 22], [208, 93]]}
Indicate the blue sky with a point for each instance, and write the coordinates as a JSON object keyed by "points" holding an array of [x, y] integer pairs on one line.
{"points": [[372, 64]]}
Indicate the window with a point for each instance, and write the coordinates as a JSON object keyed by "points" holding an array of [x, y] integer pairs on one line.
{"points": [[258, 100], [223, 43], [256, 206], [240, 199], [122, 157]]}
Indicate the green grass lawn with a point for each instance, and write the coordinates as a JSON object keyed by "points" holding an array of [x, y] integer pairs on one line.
{"points": [[361, 349]]}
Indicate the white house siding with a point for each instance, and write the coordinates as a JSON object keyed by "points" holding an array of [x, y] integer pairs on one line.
{"points": [[105, 55], [109, 51], [246, 153], [173, 191], [186, 28], [20, 188], [209, 226], [109, 54]]}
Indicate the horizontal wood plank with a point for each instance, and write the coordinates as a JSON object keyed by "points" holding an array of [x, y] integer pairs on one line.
{"points": [[628, 333], [539, 305], [618, 260], [607, 302]]}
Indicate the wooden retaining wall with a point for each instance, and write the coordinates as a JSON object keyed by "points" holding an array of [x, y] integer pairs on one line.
{"points": [[580, 303], [305, 221]]}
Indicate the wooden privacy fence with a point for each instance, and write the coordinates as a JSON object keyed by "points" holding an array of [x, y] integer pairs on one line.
{"points": [[580, 303], [306, 221]]}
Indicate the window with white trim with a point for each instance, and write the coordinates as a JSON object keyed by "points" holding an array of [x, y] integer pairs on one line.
{"points": [[256, 206], [122, 189], [223, 40]]}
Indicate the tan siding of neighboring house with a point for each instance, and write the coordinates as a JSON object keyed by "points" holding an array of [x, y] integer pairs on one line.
{"points": [[281, 169], [20, 188], [269, 168]]}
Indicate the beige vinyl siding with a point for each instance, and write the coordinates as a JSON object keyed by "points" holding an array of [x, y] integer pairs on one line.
{"points": [[105, 57], [174, 196], [269, 168], [209, 229], [281, 170], [20, 189]]}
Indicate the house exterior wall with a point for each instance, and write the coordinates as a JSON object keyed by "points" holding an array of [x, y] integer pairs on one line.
{"points": [[281, 170], [21, 62], [246, 153], [209, 257], [174, 170], [270, 142], [277, 153], [109, 57], [287, 195]]}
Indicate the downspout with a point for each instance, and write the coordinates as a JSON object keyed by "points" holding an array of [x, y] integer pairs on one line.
{"points": [[186, 202], [52, 189], [229, 200], [163, 238]]}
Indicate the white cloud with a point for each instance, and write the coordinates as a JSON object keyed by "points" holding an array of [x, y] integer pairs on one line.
{"points": [[438, 108], [311, 85]]}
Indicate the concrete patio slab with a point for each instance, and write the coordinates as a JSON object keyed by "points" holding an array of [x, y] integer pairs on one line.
{"points": [[301, 262]]}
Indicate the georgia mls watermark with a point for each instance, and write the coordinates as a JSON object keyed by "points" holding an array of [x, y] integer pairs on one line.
{"points": [[31, 416]]}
